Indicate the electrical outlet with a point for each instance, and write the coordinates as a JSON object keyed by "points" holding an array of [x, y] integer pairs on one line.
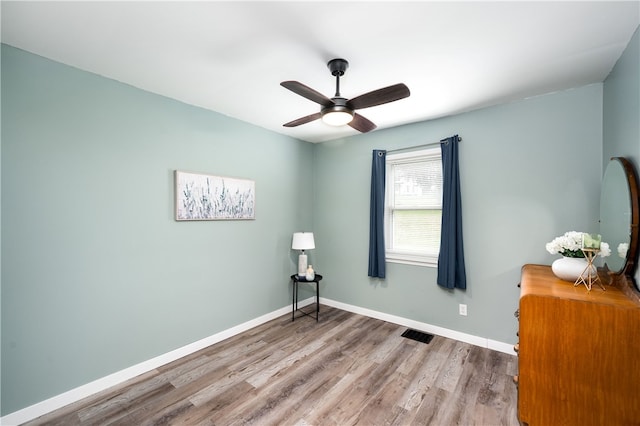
{"points": [[462, 309]]}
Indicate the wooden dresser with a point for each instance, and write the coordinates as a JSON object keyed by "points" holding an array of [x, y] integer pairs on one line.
{"points": [[578, 353]]}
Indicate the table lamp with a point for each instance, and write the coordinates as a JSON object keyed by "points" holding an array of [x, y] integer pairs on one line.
{"points": [[303, 241]]}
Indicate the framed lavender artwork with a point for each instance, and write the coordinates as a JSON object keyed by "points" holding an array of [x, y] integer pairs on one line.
{"points": [[208, 197]]}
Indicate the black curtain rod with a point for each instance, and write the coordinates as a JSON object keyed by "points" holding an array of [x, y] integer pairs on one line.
{"points": [[422, 146], [445, 139]]}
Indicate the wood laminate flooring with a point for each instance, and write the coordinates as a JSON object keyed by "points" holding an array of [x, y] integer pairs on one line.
{"points": [[346, 369]]}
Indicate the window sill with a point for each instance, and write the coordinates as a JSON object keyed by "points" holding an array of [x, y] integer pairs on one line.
{"points": [[408, 259]]}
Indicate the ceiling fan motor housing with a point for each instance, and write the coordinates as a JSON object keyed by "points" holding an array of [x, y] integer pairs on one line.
{"points": [[339, 104]]}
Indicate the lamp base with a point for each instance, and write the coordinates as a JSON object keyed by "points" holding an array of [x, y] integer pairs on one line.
{"points": [[302, 265]]}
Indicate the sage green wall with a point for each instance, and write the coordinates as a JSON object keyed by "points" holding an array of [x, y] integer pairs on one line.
{"points": [[530, 171], [97, 276], [621, 122]]}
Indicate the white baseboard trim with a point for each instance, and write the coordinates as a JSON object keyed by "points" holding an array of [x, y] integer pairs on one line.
{"points": [[427, 328], [41, 408], [507, 348]]}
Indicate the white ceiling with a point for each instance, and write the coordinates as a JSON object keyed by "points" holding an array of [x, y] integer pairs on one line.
{"points": [[231, 56]]}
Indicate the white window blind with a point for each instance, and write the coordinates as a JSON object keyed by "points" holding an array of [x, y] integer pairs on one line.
{"points": [[413, 211]]}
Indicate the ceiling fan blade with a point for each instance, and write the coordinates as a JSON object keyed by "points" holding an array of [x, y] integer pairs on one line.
{"points": [[380, 96], [307, 92], [303, 120], [362, 124]]}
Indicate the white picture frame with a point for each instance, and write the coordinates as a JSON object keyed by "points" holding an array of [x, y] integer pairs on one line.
{"points": [[201, 196]]}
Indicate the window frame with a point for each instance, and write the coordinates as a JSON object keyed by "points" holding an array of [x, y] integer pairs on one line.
{"points": [[402, 256]]}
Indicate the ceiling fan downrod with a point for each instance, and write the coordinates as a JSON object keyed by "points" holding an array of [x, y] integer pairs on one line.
{"points": [[337, 67]]}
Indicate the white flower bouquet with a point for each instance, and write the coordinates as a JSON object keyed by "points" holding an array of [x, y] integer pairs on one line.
{"points": [[622, 249], [570, 245]]}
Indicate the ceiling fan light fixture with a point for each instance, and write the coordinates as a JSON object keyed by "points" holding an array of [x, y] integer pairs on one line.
{"points": [[339, 111], [337, 116]]}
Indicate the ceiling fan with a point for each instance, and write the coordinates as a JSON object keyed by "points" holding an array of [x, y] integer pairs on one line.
{"points": [[339, 111]]}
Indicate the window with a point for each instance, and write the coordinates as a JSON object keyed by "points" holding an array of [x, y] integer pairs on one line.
{"points": [[413, 213]]}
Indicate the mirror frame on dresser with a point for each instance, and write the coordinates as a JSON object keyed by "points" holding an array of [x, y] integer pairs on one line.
{"points": [[578, 349], [624, 278]]}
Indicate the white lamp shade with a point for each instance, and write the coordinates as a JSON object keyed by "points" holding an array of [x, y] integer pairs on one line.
{"points": [[337, 118], [303, 241]]}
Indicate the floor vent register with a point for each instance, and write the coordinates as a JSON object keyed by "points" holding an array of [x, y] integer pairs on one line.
{"points": [[417, 336]]}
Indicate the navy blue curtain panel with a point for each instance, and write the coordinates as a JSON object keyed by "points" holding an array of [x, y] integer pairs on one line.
{"points": [[451, 270], [377, 266]]}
